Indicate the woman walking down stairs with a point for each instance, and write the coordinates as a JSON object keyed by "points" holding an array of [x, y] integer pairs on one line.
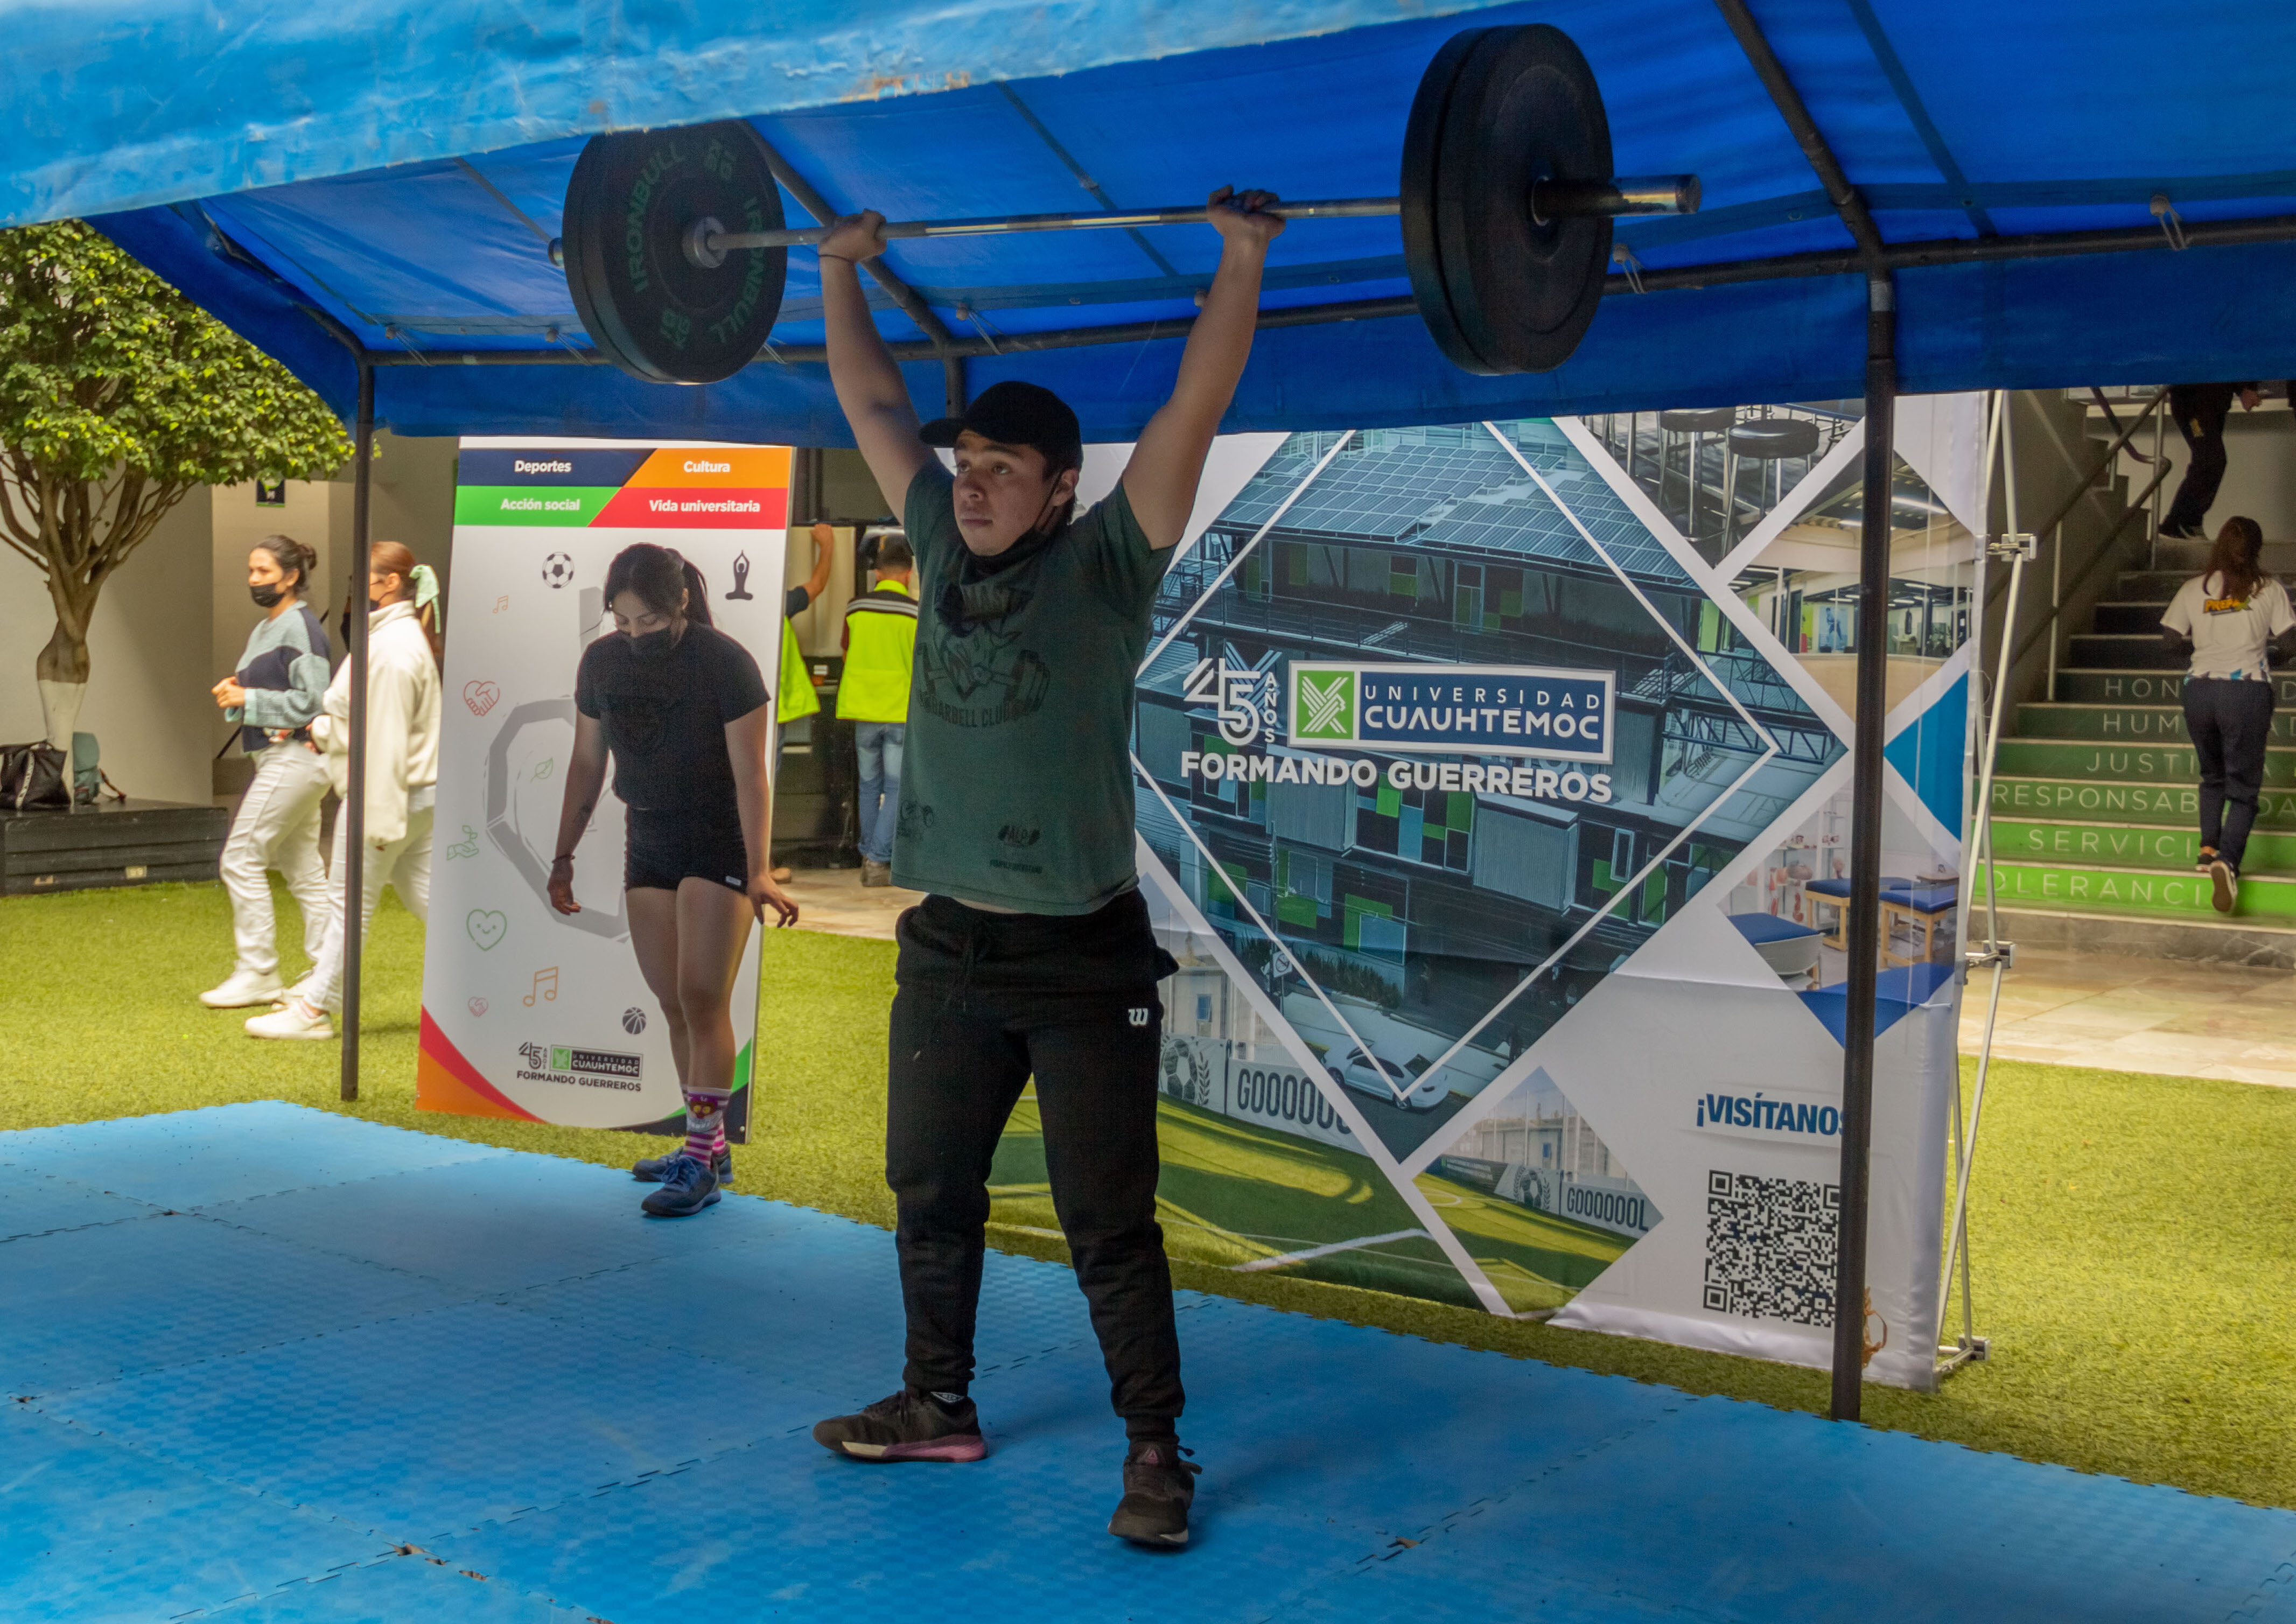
{"points": [[2095, 797]]}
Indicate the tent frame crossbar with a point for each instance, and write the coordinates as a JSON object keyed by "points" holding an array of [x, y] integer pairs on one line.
{"points": [[1845, 262]]}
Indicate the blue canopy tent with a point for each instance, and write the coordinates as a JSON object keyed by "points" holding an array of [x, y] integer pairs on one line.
{"points": [[1919, 197]]}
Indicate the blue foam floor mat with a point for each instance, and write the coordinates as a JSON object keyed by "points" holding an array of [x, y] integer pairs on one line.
{"points": [[269, 1363]]}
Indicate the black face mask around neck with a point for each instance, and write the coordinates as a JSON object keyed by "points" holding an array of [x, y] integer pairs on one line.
{"points": [[268, 594]]}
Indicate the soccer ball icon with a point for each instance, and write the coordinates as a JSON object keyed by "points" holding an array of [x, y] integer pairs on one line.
{"points": [[558, 570], [633, 1021]]}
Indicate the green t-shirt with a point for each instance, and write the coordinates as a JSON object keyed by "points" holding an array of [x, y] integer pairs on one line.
{"points": [[1016, 774]]}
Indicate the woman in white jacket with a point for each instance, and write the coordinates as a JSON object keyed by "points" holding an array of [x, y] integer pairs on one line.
{"points": [[402, 771]]}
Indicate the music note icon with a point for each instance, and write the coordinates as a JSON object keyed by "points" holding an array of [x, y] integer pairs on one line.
{"points": [[546, 982]]}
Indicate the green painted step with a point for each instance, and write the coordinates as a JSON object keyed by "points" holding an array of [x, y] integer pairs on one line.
{"points": [[2145, 687], [2125, 763], [2088, 800], [2143, 893], [2123, 724], [2132, 846]]}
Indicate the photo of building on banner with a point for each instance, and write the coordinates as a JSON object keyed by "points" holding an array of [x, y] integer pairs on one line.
{"points": [[1473, 784], [529, 1013]]}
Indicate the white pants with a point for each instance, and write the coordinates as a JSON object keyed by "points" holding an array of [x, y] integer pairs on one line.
{"points": [[278, 827], [403, 865]]}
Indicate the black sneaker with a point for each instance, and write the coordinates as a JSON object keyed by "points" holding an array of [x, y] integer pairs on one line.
{"points": [[1159, 1487], [686, 1188], [653, 1169], [908, 1426], [2227, 884]]}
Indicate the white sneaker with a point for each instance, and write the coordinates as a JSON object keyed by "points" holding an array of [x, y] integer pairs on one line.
{"points": [[242, 989], [301, 989], [293, 1018]]}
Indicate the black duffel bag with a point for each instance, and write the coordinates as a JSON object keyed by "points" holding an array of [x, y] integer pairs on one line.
{"points": [[33, 776]]}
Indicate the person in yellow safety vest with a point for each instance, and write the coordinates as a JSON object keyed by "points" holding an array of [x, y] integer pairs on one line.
{"points": [[881, 641], [797, 698]]}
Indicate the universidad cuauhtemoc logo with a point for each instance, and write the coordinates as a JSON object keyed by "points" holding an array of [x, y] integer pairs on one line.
{"points": [[1508, 710]]}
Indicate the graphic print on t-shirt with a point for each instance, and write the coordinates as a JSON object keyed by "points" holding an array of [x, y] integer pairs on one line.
{"points": [[977, 675]]}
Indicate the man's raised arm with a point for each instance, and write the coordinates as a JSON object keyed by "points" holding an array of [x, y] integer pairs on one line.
{"points": [[867, 380], [1167, 463]]}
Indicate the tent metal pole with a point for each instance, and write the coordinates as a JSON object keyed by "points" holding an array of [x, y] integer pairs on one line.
{"points": [[1862, 932], [1865, 930], [946, 346], [1998, 954], [353, 810]]}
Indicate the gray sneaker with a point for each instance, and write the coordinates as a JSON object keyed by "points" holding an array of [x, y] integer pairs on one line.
{"points": [[874, 873], [686, 1188]]}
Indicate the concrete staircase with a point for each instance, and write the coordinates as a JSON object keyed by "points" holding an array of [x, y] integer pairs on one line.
{"points": [[2095, 804]]}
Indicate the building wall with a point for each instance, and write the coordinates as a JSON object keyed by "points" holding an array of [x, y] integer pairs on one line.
{"points": [[150, 658]]}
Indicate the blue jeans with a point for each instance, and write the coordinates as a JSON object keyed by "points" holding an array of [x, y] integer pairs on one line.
{"points": [[878, 746]]}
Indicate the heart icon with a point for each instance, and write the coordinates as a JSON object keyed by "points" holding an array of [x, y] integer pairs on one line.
{"points": [[480, 696], [478, 1006], [487, 929]]}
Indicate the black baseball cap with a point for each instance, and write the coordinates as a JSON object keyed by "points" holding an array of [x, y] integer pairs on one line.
{"points": [[1015, 413]]}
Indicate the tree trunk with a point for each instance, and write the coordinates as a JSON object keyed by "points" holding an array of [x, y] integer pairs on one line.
{"points": [[59, 703], [62, 667]]}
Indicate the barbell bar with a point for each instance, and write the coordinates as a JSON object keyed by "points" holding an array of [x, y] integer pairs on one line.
{"points": [[676, 248], [708, 241]]}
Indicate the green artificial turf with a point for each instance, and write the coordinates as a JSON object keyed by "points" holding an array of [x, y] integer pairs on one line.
{"points": [[2134, 1236]]}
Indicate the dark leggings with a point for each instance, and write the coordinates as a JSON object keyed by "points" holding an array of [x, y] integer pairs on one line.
{"points": [[2230, 722], [986, 1001]]}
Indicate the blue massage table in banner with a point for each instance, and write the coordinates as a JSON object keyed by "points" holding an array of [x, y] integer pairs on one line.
{"points": [[1494, 799]]}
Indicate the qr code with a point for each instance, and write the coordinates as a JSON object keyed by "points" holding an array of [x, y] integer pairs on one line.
{"points": [[1770, 1247]]}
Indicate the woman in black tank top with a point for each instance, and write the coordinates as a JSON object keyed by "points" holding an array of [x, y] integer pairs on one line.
{"points": [[685, 714]]}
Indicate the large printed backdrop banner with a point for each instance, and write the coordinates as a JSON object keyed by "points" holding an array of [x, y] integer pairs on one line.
{"points": [[1494, 794], [528, 1012]]}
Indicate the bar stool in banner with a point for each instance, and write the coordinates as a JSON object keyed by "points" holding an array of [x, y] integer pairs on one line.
{"points": [[1767, 442], [1697, 422]]}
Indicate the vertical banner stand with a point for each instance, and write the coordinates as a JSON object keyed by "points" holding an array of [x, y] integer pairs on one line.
{"points": [[353, 810], [1865, 932], [2019, 549]]}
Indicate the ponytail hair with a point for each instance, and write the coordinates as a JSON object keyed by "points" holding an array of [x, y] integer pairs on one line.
{"points": [[394, 558], [290, 553], [2237, 560], [658, 575]]}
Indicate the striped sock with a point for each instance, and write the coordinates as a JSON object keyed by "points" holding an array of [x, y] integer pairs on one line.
{"points": [[705, 1127]]}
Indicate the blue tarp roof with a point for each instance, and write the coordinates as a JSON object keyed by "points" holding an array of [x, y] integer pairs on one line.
{"points": [[400, 169]]}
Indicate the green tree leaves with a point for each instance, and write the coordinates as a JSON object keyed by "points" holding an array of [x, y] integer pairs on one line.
{"points": [[118, 396]]}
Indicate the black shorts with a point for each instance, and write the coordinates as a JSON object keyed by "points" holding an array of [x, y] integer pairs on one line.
{"points": [[664, 850]]}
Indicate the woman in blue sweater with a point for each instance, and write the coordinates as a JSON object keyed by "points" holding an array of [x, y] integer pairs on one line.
{"points": [[278, 688]]}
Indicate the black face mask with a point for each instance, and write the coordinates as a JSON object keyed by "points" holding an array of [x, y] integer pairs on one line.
{"points": [[267, 595], [653, 645]]}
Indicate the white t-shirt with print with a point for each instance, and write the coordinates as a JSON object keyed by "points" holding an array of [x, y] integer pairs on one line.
{"points": [[2229, 634]]}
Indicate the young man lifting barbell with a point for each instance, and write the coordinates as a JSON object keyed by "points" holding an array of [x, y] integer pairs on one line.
{"points": [[1031, 954]]}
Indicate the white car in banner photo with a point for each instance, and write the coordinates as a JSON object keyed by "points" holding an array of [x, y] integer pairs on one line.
{"points": [[1421, 1088]]}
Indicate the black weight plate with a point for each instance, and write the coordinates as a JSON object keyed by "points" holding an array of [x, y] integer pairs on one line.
{"points": [[1422, 249], [1498, 109], [647, 308]]}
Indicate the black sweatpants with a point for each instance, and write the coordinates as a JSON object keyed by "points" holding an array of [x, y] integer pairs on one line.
{"points": [[2201, 410], [2230, 722], [984, 1002]]}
